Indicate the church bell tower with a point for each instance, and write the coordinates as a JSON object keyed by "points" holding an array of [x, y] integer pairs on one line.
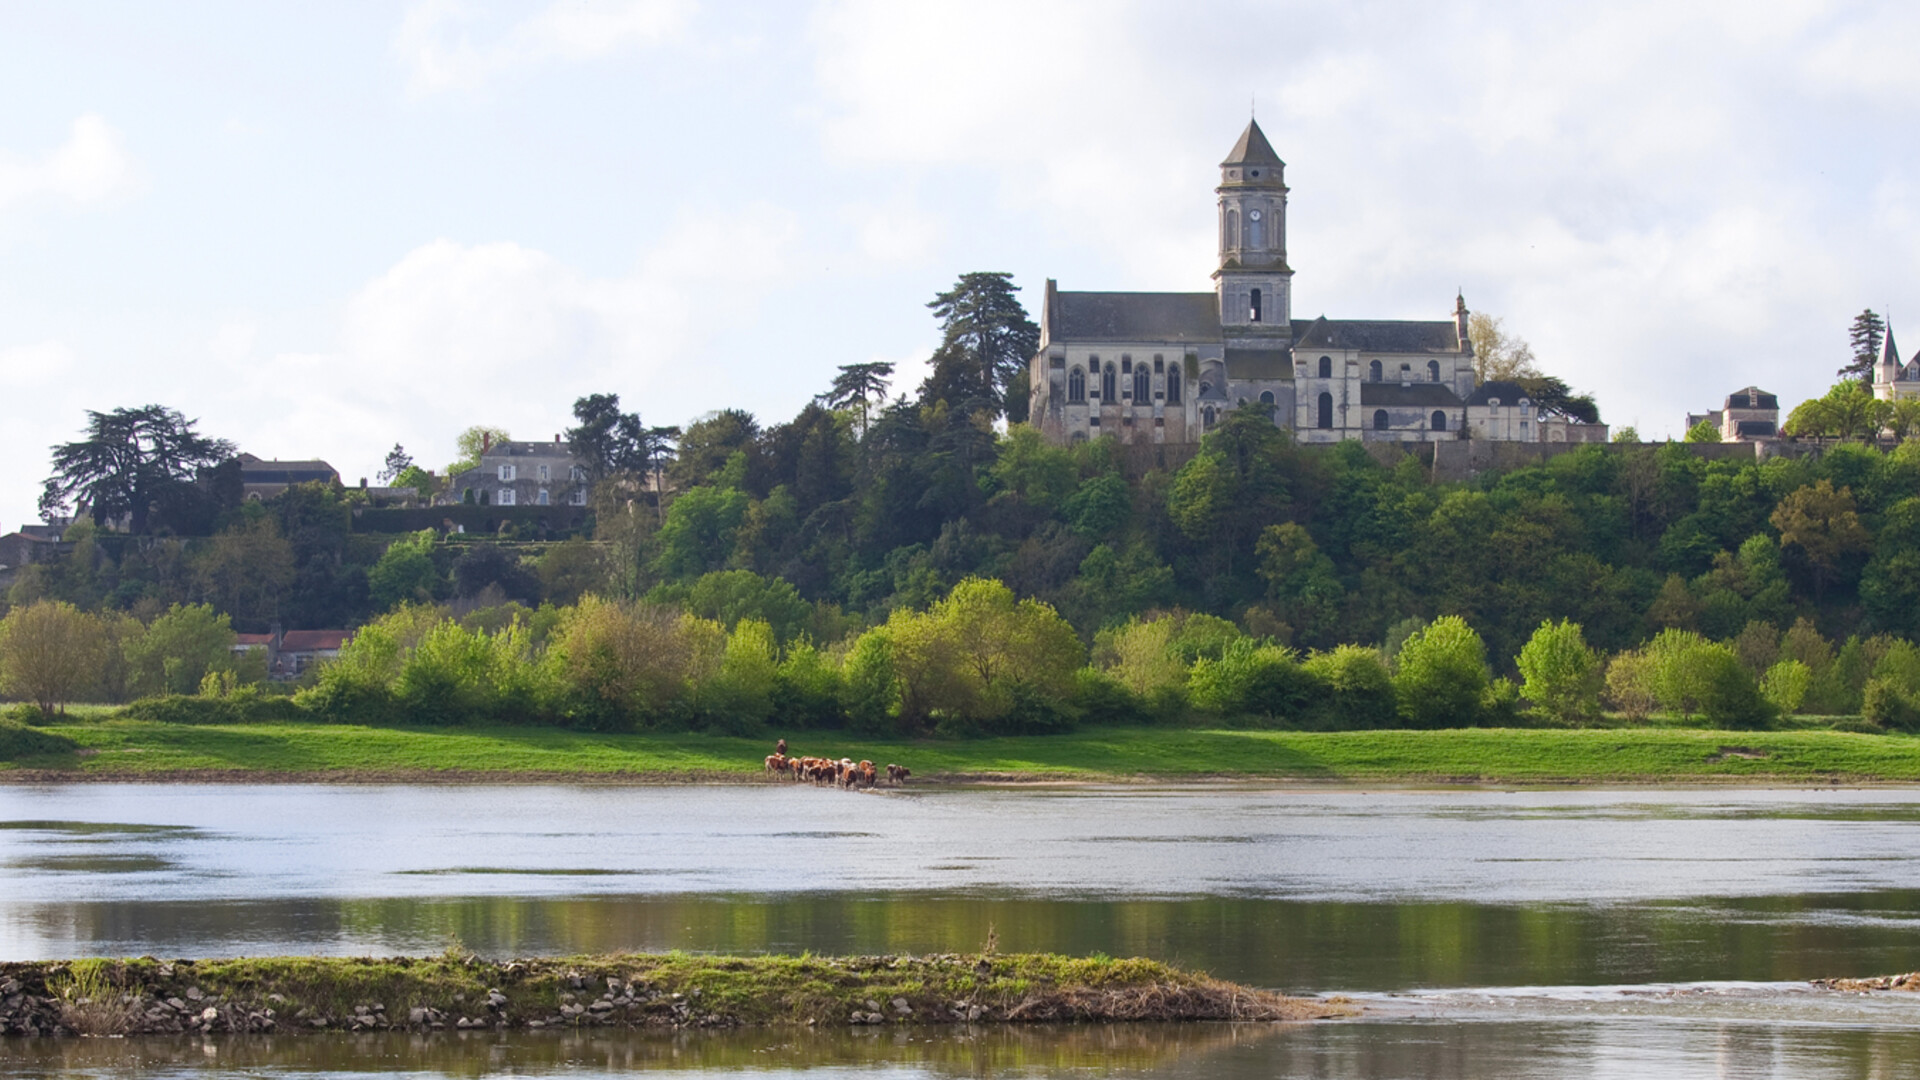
{"points": [[1253, 282]]}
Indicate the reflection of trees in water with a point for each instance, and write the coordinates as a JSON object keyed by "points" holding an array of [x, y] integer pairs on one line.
{"points": [[956, 1051]]}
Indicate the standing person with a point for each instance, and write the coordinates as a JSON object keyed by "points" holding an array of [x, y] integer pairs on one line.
{"points": [[780, 748]]}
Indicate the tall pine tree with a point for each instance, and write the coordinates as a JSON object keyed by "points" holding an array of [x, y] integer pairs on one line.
{"points": [[986, 342], [1865, 336]]}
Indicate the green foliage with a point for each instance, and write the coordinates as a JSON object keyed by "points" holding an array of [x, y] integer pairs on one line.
{"points": [[700, 532], [1358, 689], [1442, 678], [1706, 431], [1785, 686], [405, 573], [19, 741], [1253, 679], [249, 707], [1562, 672], [178, 649], [1889, 706]]}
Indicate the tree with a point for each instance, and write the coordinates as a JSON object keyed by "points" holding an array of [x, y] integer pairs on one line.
{"points": [[986, 342], [245, 572], [607, 441], [1864, 336], [471, 443], [178, 649], [1903, 418], [1442, 676], [1551, 394], [1562, 673], [405, 573], [398, 461], [1498, 355], [130, 461], [1706, 431], [1824, 526], [50, 653], [1847, 411], [860, 387]]}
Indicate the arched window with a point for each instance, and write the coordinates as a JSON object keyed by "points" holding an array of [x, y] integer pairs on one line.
{"points": [[1207, 418], [1233, 228], [1379, 419], [1076, 386], [1107, 382], [1326, 411], [1326, 367], [1266, 398], [1173, 385], [1433, 371], [1142, 385], [1159, 363], [1253, 314], [1373, 371], [1439, 420]]}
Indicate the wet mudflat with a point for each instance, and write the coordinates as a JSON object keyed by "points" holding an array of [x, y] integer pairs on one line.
{"points": [[1431, 906]]}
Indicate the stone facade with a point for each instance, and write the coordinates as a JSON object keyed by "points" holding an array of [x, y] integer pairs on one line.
{"points": [[521, 474], [1749, 415], [1165, 367], [1892, 380]]}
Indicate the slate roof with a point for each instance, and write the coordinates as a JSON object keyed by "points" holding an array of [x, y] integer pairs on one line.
{"points": [[1129, 316], [1889, 352], [1754, 429], [1380, 336], [1423, 394], [1253, 148], [1752, 398], [1260, 364], [253, 470], [1509, 393]]}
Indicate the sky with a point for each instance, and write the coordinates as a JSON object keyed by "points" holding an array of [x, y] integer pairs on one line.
{"points": [[324, 229]]}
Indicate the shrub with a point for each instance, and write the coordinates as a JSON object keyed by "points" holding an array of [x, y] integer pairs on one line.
{"points": [[1358, 691], [18, 741], [1785, 685], [806, 690], [244, 707], [869, 685], [1442, 680], [1630, 684], [1101, 698], [1562, 673], [1887, 706], [1252, 680], [1730, 697]]}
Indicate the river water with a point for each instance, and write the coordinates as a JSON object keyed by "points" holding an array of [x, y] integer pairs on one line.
{"points": [[1489, 933]]}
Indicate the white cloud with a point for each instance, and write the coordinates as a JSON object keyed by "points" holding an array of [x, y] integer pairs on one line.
{"points": [[91, 167], [436, 42], [896, 234], [457, 334]]}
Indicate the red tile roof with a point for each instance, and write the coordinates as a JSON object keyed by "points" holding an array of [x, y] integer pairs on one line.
{"points": [[313, 640]]}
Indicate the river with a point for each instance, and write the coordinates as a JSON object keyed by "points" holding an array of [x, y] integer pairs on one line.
{"points": [[1489, 933]]}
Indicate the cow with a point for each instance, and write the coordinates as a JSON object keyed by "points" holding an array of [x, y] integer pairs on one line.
{"points": [[866, 774], [897, 774], [777, 764]]}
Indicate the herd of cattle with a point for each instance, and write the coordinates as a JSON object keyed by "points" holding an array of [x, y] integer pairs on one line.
{"points": [[844, 773]]}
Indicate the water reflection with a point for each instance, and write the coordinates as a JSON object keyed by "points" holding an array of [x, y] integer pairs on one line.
{"points": [[1485, 1050]]}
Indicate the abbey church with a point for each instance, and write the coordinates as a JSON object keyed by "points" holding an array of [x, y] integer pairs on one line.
{"points": [[1165, 367]]}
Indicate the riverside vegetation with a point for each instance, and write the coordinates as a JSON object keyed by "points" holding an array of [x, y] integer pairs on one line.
{"points": [[909, 569], [463, 992]]}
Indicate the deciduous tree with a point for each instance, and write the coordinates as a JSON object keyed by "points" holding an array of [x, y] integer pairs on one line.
{"points": [[50, 653]]}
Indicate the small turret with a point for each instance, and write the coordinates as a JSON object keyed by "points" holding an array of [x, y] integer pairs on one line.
{"points": [[1461, 322]]}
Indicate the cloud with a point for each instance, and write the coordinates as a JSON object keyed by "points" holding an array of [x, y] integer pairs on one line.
{"points": [[440, 52], [455, 334], [36, 365], [90, 168]]}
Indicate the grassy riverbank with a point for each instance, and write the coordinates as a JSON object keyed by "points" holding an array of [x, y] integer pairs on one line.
{"points": [[127, 749], [301, 994]]}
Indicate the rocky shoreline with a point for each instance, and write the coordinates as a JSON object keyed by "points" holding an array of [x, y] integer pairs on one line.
{"points": [[147, 996]]}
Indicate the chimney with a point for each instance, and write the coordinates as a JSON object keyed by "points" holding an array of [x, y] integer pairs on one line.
{"points": [[556, 440], [486, 441], [363, 483]]}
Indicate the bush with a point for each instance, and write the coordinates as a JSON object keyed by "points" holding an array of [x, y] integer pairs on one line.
{"points": [[240, 708], [1562, 674], [1100, 698], [1253, 680], [1442, 681], [1729, 695], [1358, 691], [18, 741], [1885, 705], [1785, 686], [806, 690]]}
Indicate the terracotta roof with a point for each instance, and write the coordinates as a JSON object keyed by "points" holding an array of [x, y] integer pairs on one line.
{"points": [[313, 640], [250, 640]]}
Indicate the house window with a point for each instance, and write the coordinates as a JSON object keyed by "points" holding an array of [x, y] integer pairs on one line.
{"points": [[576, 473], [1433, 371], [543, 474], [1326, 367], [1173, 385], [1076, 387], [1107, 377], [1379, 419], [1373, 371], [1439, 420], [506, 497], [506, 472], [579, 497], [1325, 419], [1142, 383], [543, 500]]}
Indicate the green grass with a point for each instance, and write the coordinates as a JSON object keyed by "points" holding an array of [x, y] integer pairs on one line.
{"points": [[130, 748]]}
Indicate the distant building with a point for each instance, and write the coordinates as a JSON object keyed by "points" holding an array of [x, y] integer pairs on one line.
{"points": [[1892, 380], [521, 474], [1166, 367], [29, 545], [261, 480], [1749, 415], [291, 652]]}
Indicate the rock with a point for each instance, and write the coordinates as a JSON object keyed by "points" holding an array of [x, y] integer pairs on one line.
{"points": [[276, 999], [902, 1006], [872, 1005], [176, 1004], [417, 1015], [318, 1021], [209, 1014], [194, 994], [974, 1012], [601, 1006]]}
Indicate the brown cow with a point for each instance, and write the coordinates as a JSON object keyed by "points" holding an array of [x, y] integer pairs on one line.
{"points": [[866, 774], [897, 774]]}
